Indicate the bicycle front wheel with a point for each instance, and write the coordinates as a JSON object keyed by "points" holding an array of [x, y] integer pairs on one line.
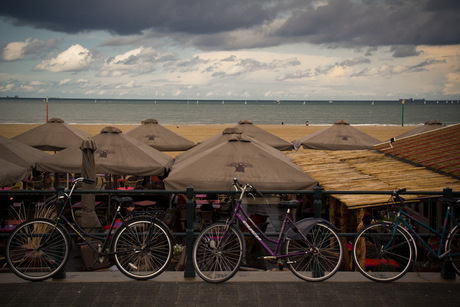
{"points": [[37, 249], [142, 248], [382, 255], [453, 246], [218, 252], [317, 258]]}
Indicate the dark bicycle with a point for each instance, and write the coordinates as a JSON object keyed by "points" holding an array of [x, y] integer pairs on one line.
{"points": [[384, 251], [39, 248]]}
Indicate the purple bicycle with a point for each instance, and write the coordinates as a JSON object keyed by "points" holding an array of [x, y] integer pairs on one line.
{"points": [[310, 247]]}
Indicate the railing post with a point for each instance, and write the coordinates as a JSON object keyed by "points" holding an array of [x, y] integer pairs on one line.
{"points": [[61, 274], [318, 202], [447, 269], [447, 192], [189, 269]]}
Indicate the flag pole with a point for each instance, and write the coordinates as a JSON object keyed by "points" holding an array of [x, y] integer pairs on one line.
{"points": [[46, 108]]}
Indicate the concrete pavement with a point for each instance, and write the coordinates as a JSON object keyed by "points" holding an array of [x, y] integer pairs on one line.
{"points": [[247, 288]]}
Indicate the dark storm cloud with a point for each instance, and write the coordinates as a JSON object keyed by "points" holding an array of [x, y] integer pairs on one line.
{"points": [[211, 24], [404, 51], [131, 17], [377, 23]]}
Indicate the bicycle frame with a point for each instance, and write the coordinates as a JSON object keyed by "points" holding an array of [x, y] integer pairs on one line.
{"points": [[443, 233], [61, 219], [239, 214]]}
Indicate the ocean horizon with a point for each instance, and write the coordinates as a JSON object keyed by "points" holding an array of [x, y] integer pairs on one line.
{"points": [[209, 112]]}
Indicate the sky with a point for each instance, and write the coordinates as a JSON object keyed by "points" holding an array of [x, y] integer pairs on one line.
{"points": [[238, 49]]}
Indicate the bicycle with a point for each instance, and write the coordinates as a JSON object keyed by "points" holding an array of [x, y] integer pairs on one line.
{"points": [[384, 251], [312, 248], [39, 248]]}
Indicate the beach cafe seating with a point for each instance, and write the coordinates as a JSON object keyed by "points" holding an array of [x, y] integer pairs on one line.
{"points": [[133, 183], [18, 186]]}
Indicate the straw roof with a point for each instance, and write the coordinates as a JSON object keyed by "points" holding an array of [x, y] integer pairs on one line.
{"points": [[437, 149], [364, 170]]}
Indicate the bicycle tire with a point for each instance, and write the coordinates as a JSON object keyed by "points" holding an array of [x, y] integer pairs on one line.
{"points": [[387, 257], [142, 248], [323, 262], [37, 249], [216, 257], [453, 246]]}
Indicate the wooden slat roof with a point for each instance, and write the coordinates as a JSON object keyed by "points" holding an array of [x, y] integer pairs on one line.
{"points": [[437, 149], [365, 170]]}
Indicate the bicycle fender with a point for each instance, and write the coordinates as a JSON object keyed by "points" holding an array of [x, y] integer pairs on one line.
{"points": [[305, 225]]}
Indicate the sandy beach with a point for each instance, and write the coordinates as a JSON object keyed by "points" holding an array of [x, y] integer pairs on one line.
{"points": [[198, 133]]}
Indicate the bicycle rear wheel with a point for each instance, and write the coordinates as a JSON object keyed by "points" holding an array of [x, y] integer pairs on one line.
{"points": [[320, 263], [453, 246], [218, 252], [381, 255], [143, 248], [37, 249]]}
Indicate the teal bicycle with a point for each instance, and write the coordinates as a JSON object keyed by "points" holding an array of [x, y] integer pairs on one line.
{"points": [[385, 251]]}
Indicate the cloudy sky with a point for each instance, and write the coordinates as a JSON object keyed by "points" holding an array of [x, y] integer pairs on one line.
{"points": [[230, 49]]}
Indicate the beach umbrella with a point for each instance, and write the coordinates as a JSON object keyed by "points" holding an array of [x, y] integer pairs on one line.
{"points": [[339, 136], [241, 158], [89, 218], [251, 130], [116, 154], [11, 173], [54, 135], [223, 137], [428, 126], [19, 153], [159, 137]]}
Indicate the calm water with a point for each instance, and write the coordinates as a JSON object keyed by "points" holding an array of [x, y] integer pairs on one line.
{"points": [[84, 111]]}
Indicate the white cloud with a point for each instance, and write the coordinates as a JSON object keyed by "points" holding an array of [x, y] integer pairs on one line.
{"points": [[7, 87], [452, 87], [65, 81], [137, 61], [19, 50], [14, 51], [75, 58]]}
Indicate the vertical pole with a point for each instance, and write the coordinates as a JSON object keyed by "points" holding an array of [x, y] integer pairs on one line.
{"points": [[447, 269], [402, 112], [46, 109], [189, 271], [61, 274], [317, 203]]}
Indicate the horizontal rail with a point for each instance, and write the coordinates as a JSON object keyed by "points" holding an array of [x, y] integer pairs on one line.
{"points": [[189, 234]]}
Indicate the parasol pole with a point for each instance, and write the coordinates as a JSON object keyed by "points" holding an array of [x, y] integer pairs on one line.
{"points": [[46, 108]]}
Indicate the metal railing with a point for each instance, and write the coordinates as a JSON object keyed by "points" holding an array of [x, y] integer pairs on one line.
{"points": [[190, 193]]}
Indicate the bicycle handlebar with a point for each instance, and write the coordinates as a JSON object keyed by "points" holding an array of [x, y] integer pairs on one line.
{"points": [[245, 188], [84, 180]]}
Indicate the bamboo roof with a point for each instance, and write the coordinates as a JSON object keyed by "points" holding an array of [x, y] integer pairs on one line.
{"points": [[365, 170]]}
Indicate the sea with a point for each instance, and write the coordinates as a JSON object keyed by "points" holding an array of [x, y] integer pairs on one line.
{"points": [[210, 112]]}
